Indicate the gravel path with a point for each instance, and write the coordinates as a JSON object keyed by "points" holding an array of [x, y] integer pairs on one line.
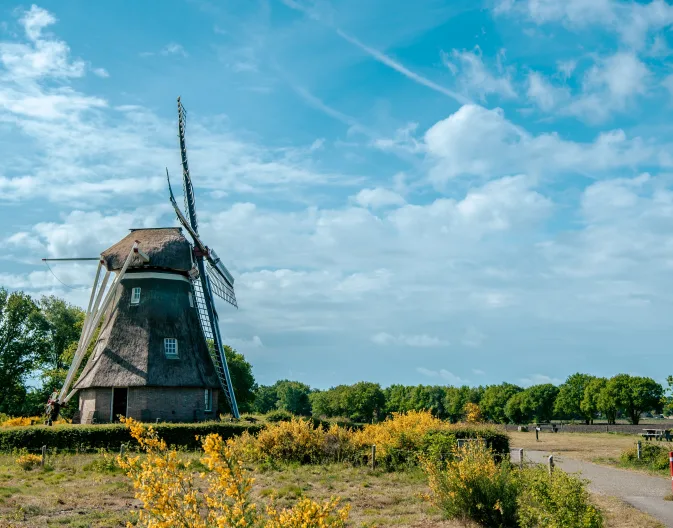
{"points": [[642, 491]]}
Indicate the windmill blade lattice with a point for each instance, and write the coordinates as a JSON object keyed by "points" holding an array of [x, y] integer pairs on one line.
{"points": [[220, 287], [206, 328]]}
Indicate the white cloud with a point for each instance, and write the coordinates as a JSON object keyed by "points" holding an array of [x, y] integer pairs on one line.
{"points": [[539, 379], [473, 338], [449, 377], [377, 198], [101, 72], [174, 49], [473, 76], [633, 21], [547, 96], [482, 142], [414, 341], [478, 372]]}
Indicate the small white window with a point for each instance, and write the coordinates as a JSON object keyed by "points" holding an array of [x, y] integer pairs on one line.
{"points": [[191, 299], [171, 347], [209, 399], [135, 296]]}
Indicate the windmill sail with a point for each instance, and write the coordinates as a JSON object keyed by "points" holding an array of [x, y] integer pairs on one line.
{"points": [[203, 291]]}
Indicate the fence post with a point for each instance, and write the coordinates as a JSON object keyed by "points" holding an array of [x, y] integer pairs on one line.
{"points": [[537, 431], [550, 463], [122, 449], [639, 449], [521, 458], [373, 456], [44, 455], [670, 463]]}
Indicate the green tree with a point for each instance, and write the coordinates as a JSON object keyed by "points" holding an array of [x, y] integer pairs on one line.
{"points": [[637, 394], [429, 398], [266, 399], [242, 380], [398, 398], [589, 404], [23, 345], [293, 397], [540, 400], [361, 402], [455, 399], [518, 408], [495, 399], [569, 400], [64, 326], [607, 402]]}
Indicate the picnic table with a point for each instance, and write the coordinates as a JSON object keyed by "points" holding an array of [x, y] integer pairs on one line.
{"points": [[657, 434]]}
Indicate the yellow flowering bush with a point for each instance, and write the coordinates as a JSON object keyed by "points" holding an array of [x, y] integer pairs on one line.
{"points": [[472, 486], [28, 462], [294, 441], [472, 413], [165, 484], [21, 421]]}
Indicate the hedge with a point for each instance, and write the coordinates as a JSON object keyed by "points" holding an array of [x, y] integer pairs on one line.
{"points": [[111, 436]]}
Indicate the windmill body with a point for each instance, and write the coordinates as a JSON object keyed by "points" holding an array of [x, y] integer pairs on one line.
{"points": [[151, 360]]}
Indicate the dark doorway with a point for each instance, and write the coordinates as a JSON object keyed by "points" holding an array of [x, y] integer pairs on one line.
{"points": [[120, 398]]}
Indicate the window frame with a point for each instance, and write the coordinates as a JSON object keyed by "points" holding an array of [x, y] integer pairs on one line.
{"points": [[171, 341], [208, 400], [134, 300]]}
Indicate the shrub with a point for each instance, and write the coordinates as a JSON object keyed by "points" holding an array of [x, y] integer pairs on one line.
{"points": [[294, 441], [111, 436], [400, 438], [28, 462], [21, 421], [472, 486], [555, 501], [278, 416], [652, 456], [165, 485]]}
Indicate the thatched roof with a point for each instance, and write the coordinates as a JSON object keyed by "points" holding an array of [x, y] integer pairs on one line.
{"points": [[166, 247], [129, 351]]}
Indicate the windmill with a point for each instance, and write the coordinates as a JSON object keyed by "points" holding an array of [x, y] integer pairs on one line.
{"points": [[159, 344]]}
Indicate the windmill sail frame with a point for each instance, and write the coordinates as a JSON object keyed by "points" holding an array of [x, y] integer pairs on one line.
{"points": [[203, 290]]}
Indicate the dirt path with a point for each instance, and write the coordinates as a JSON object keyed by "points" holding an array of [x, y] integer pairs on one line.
{"points": [[642, 491]]}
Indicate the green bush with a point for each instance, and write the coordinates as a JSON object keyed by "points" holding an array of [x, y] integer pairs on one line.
{"points": [[559, 500], [111, 436], [278, 416], [439, 444], [652, 456]]}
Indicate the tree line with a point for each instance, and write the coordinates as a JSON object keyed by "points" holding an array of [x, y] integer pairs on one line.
{"points": [[38, 339], [582, 397]]}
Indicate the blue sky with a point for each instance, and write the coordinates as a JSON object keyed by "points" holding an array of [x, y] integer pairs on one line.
{"points": [[406, 192]]}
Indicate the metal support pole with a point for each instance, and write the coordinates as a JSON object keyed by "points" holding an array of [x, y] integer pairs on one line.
{"points": [[122, 449], [639, 447], [521, 458], [373, 456], [550, 464]]}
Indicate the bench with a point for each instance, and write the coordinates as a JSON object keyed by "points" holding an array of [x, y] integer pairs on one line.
{"points": [[657, 434]]}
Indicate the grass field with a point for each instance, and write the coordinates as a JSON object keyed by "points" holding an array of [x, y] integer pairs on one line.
{"points": [[583, 446], [80, 491]]}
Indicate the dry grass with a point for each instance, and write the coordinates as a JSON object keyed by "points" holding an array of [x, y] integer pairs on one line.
{"points": [[618, 514], [74, 494], [583, 446]]}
